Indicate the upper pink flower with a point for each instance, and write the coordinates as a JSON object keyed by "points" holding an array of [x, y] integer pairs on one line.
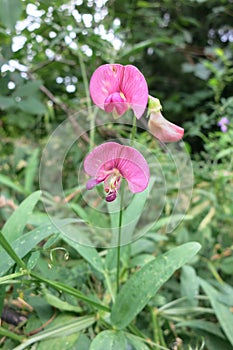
{"points": [[110, 162], [116, 88], [160, 127]]}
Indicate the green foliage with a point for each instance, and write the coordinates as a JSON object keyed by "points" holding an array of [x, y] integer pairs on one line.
{"points": [[152, 276], [67, 292]]}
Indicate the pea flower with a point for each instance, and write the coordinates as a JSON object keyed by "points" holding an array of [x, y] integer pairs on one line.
{"points": [[116, 88], [223, 124], [160, 127], [110, 162]]}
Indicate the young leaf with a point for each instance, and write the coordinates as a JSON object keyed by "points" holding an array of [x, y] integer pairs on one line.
{"points": [[111, 340], [133, 298]]}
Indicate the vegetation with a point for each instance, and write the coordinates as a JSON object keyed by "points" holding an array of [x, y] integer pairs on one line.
{"points": [[64, 283]]}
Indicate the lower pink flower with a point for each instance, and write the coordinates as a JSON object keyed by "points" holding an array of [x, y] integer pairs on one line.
{"points": [[160, 127], [110, 162]]}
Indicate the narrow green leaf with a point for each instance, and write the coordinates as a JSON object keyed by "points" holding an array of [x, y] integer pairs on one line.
{"points": [[10, 11], [63, 330], [24, 244], [189, 285], [14, 226], [5, 244], [152, 276], [59, 304], [9, 183], [109, 340], [223, 313], [203, 325]]}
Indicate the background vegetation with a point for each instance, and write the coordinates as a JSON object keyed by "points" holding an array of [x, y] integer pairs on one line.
{"points": [[49, 50]]}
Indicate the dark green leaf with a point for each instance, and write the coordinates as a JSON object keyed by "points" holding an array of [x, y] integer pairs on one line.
{"points": [[111, 340], [152, 276]]}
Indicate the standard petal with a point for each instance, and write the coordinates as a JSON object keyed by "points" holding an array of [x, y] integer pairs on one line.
{"points": [[135, 89], [164, 130], [101, 157], [134, 169], [104, 82]]}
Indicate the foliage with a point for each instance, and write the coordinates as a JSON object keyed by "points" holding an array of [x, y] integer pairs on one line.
{"points": [[173, 294]]}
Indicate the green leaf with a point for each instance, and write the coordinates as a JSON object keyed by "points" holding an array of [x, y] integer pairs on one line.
{"points": [[61, 330], [9, 183], [152, 276], [10, 11], [14, 226], [58, 303], [6, 102], [32, 105], [189, 284], [222, 311], [136, 342], [90, 254], [203, 325], [111, 340], [24, 244]]}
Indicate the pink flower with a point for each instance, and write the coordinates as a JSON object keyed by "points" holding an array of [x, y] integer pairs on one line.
{"points": [[116, 88], [160, 127], [110, 162]]}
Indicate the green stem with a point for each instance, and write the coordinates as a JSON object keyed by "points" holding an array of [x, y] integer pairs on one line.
{"points": [[134, 130], [9, 278], [69, 290], [90, 110], [4, 332], [119, 238], [109, 286], [92, 129], [6, 245]]}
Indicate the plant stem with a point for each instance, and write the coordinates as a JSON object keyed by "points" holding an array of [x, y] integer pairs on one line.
{"points": [[69, 290], [89, 107], [6, 333], [109, 286], [134, 130], [119, 238]]}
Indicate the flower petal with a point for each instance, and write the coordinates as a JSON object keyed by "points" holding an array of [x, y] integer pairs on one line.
{"points": [[134, 169], [102, 156], [131, 164], [135, 89], [104, 82], [164, 130]]}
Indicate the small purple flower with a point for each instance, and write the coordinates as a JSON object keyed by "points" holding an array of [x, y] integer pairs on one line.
{"points": [[223, 124], [110, 162]]}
